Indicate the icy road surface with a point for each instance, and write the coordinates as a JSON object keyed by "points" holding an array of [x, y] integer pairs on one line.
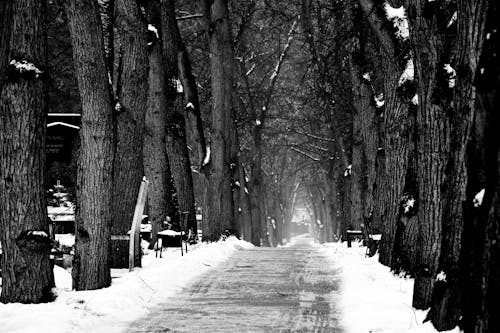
{"points": [[288, 289]]}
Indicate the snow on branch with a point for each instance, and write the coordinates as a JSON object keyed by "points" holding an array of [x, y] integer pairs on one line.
{"points": [[305, 154], [314, 136], [250, 70], [277, 68], [285, 50], [318, 147], [189, 17]]}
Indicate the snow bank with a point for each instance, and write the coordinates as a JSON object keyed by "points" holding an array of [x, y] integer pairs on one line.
{"points": [[372, 299], [130, 296]]}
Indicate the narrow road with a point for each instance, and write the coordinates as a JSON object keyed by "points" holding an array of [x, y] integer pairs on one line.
{"points": [[290, 289]]}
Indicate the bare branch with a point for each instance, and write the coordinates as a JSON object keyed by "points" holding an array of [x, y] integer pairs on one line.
{"points": [[305, 154], [189, 17], [274, 75]]}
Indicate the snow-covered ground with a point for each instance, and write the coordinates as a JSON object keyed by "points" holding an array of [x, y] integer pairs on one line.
{"points": [[372, 299], [129, 297]]}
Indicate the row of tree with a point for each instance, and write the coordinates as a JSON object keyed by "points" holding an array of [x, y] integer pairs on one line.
{"points": [[372, 114], [140, 115], [407, 148]]}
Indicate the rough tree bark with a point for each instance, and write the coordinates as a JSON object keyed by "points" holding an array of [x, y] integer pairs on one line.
{"points": [[481, 234], [180, 164], [6, 17], [95, 165], [161, 203], [130, 86], [365, 125], [219, 210], [433, 144], [396, 130], [446, 301], [27, 275]]}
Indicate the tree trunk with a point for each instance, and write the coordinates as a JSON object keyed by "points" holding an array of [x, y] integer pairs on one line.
{"points": [[219, 211], [244, 211], [27, 275], [406, 243], [259, 229], [94, 213], [393, 150], [481, 236], [432, 147], [156, 164], [365, 126], [130, 89], [178, 153], [6, 17], [445, 311]]}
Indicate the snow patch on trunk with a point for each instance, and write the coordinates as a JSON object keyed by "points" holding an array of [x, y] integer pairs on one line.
{"points": [[398, 18]]}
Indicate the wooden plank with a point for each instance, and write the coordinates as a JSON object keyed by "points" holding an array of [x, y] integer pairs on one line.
{"points": [[136, 222]]}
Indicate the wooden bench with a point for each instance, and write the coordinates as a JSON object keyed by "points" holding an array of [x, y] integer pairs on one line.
{"points": [[372, 240], [351, 234], [170, 238]]}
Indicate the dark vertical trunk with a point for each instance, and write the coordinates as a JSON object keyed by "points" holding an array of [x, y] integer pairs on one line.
{"points": [[397, 132], [107, 11], [27, 276], [245, 214], [156, 164], [432, 147], [256, 189], [480, 237], [445, 311], [405, 244], [219, 210], [95, 165], [365, 136], [178, 153], [6, 17], [191, 100], [130, 89], [290, 208], [180, 166]]}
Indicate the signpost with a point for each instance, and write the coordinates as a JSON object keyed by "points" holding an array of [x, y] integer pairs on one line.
{"points": [[136, 222]]}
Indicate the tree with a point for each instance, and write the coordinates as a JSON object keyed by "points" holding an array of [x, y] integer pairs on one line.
{"points": [[392, 96], [95, 165], [479, 242], [324, 30], [162, 203], [27, 276], [470, 35], [219, 213], [177, 72], [130, 86], [6, 12]]}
